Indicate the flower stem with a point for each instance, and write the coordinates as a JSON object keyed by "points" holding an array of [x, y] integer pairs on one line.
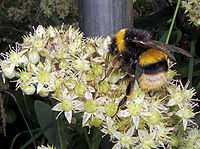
{"points": [[20, 109], [96, 139], [173, 20], [61, 133], [60, 127], [192, 52], [87, 137]]}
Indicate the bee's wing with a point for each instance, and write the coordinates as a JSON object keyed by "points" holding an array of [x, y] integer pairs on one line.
{"points": [[169, 47], [165, 48]]}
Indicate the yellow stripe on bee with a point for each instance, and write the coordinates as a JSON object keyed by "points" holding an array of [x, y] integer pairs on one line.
{"points": [[151, 56], [120, 40], [153, 81]]}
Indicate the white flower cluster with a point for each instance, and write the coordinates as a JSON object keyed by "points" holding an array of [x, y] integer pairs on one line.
{"points": [[44, 147], [63, 65], [192, 10]]}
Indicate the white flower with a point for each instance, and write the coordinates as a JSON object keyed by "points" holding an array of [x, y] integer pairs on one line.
{"points": [[125, 140], [147, 140], [186, 114], [66, 105]]}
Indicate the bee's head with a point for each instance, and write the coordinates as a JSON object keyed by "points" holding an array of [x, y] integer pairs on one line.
{"points": [[137, 34], [123, 40], [119, 40]]}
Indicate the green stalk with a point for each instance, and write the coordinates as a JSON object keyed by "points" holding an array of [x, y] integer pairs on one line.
{"points": [[173, 20], [23, 116], [96, 139], [61, 133], [87, 137], [192, 52], [60, 127]]}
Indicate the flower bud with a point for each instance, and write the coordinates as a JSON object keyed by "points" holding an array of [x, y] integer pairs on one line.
{"points": [[45, 147], [80, 65], [97, 69], [185, 113], [43, 76], [134, 109], [8, 70], [123, 125], [44, 92], [155, 117], [14, 57], [71, 83], [148, 143], [51, 32], [58, 82], [63, 64], [25, 76], [90, 106], [173, 141], [111, 109], [89, 49], [126, 141], [40, 31], [95, 121], [29, 89], [24, 60], [171, 74], [27, 40], [115, 76], [162, 134], [67, 105], [103, 87], [90, 77], [38, 43], [80, 89], [34, 57], [178, 97]]}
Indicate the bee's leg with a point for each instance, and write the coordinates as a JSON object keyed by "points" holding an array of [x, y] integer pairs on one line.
{"points": [[149, 94], [107, 74], [116, 62], [128, 92]]}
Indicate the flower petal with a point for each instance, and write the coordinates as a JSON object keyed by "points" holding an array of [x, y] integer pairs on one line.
{"points": [[68, 116], [57, 107]]}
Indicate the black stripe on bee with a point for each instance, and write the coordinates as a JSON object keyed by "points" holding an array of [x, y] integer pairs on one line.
{"points": [[153, 68]]}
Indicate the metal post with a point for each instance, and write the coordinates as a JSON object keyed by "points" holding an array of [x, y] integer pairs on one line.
{"points": [[104, 17]]}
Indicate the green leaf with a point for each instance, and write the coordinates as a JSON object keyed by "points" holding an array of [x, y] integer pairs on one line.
{"points": [[175, 37], [164, 37], [198, 86], [10, 116], [26, 104], [178, 36], [45, 116]]}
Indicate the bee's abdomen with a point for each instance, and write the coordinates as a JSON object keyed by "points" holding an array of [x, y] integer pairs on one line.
{"points": [[152, 81], [151, 56], [152, 69]]}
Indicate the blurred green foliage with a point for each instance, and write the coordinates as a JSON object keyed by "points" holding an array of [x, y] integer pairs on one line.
{"points": [[18, 17]]}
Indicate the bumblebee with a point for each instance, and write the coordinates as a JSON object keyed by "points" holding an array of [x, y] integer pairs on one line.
{"points": [[135, 52]]}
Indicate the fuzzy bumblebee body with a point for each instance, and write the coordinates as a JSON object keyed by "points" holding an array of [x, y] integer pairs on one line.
{"points": [[149, 64], [152, 69], [135, 52]]}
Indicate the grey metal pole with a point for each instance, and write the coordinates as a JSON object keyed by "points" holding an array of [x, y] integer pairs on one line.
{"points": [[104, 17]]}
